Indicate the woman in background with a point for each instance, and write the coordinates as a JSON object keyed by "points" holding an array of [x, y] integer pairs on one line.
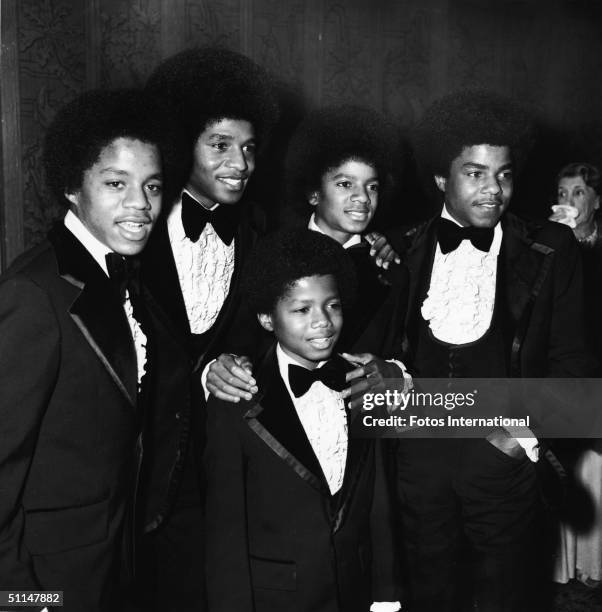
{"points": [[578, 190]]}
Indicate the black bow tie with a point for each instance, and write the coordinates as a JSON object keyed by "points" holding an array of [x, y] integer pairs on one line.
{"points": [[450, 235], [124, 273], [224, 219], [301, 379]]}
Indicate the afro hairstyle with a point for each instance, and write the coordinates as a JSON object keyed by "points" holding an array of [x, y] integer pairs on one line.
{"points": [[201, 86], [85, 126], [588, 172], [330, 136], [283, 257], [467, 118]]}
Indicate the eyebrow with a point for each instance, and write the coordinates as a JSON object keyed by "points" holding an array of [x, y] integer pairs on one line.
{"points": [[111, 170], [220, 136], [470, 164], [352, 176]]}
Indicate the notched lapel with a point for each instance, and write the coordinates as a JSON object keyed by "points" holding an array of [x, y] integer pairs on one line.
{"points": [[97, 312]]}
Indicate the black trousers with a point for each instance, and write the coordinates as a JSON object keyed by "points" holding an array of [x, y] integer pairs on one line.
{"points": [[170, 573], [469, 514]]}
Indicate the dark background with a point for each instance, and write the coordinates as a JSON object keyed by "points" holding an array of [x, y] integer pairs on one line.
{"points": [[396, 56]]}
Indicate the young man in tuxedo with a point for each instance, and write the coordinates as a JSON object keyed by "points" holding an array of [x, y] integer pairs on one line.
{"points": [[76, 344], [491, 296], [221, 107]]}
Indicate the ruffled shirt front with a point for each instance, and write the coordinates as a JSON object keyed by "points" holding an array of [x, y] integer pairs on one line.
{"points": [[460, 300], [322, 414], [205, 269]]}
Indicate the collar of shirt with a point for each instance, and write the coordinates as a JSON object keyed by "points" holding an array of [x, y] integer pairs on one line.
{"points": [[283, 362], [95, 247], [497, 233], [313, 226]]}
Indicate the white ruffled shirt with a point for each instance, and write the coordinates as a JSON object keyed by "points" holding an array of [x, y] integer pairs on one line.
{"points": [[460, 300], [98, 250], [205, 269]]}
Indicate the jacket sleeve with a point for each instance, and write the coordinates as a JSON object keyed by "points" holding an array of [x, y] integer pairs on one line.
{"points": [[386, 572], [29, 357], [227, 558]]}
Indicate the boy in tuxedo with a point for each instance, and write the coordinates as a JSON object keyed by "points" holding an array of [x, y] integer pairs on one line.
{"points": [[76, 348], [221, 106], [297, 512]]}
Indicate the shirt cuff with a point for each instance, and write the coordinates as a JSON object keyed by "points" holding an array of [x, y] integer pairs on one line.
{"points": [[407, 377], [524, 436], [385, 606], [204, 375]]}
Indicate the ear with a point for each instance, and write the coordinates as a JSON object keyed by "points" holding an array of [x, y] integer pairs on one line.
{"points": [[314, 198], [265, 320], [597, 204], [440, 181]]}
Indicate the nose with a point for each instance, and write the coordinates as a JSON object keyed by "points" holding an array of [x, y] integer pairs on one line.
{"points": [[361, 195], [492, 185], [237, 159], [321, 318], [137, 198]]}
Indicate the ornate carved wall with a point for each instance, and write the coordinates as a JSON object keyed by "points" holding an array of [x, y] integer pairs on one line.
{"points": [[395, 55]]}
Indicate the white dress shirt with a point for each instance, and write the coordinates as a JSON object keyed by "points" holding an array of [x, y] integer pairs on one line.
{"points": [[98, 250], [205, 269], [322, 414], [460, 300]]}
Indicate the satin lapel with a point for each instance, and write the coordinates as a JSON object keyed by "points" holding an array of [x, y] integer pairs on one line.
{"points": [[160, 276], [274, 419], [524, 267], [97, 311]]}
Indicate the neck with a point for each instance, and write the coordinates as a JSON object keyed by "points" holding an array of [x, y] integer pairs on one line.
{"points": [[585, 230], [204, 201], [339, 236]]}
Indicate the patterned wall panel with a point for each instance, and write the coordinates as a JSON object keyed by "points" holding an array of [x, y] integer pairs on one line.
{"points": [[350, 66], [278, 39], [51, 72], [406, 62], [215, 23], [129, 41]]}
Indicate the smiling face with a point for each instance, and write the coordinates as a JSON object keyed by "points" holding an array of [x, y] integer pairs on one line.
{"points": [[347, 200], [120, 196], [479, 186], [307, 320], [224, 159], [573, 191]]}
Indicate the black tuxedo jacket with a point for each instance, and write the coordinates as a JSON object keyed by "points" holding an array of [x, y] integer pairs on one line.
{"points": [[542, 276], [277, 539], [70, 424]]}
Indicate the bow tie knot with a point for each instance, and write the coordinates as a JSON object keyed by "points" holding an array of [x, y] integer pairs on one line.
{"points": [[195, 217], [124, 273], [450, 235], [301, 379]]}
